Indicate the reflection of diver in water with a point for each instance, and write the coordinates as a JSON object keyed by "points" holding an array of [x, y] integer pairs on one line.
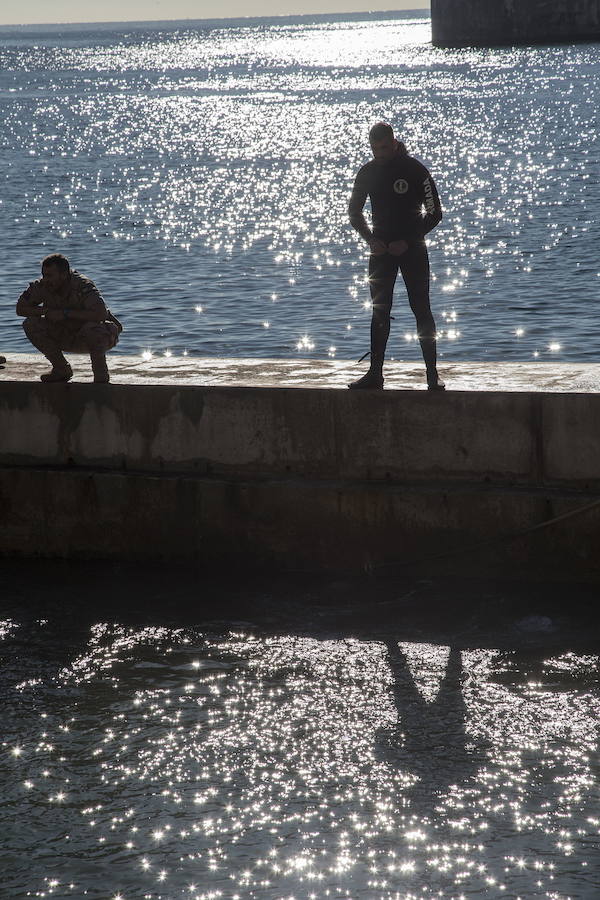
{"points": [[430, 738]]}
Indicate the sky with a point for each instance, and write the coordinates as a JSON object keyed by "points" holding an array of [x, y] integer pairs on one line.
{"points": [[58, 11]]}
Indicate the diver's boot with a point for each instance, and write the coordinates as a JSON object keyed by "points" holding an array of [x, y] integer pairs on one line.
{"points": [[372, 381], [99, 367], [61, 370], [434, 382], [429, 350]]}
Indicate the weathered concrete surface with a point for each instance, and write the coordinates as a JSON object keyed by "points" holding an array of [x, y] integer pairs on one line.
{"points": [[294, 524], [301, 477], [248, 432], [465, 23], [316, 373], [532, 438]]}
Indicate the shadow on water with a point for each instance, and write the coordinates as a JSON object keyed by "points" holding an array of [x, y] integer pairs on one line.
{"points": [[310, 707], [430, 739]]}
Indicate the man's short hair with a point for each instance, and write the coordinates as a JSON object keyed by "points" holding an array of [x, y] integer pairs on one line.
{"points": [[381, 132], [57, 259]]}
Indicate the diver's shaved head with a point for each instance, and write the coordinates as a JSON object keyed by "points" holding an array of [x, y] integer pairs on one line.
{"points": [[381, 131]]}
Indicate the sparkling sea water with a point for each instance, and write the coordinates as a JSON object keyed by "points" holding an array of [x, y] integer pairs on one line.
{"points": [[165, 737], [199, 172], [172, 741]]}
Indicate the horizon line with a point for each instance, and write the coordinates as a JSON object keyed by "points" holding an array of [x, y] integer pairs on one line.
{"points": [[213, 18]]}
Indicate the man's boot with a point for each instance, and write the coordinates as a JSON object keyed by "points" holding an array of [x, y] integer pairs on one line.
{"points": [[429, 350], [99, 367], [380, 329], [371, 381], [434, 382], [61, 370]]}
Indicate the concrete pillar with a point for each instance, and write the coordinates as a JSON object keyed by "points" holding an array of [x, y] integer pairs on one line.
{"points": [[477, 23]]}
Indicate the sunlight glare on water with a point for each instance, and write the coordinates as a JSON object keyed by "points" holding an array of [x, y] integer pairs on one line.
{"points": [[171, 763], [210, 166]]}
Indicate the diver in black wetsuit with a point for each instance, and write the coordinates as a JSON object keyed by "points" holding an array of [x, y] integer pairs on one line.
{"points": [[405, 206]]}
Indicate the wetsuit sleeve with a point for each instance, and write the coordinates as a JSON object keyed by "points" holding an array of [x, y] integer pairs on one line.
{"points": [[358, 198], [431, 202]]}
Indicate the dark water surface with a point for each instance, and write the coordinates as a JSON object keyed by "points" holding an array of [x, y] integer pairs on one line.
{"points": [[200, 173], [169, 736]]}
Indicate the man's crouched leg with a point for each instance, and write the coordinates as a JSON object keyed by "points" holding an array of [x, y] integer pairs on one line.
{"points": [[36, 330], [97, 338]]}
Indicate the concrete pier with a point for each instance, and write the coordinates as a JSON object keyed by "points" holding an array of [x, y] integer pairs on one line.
{"points": [[477, 23], [243, 472]]}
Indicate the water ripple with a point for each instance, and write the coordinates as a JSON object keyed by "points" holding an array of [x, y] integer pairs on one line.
{"points": [[211, 166], [187, 764]]}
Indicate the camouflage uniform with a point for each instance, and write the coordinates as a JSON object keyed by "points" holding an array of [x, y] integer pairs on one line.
{"points": [[72, 335]]}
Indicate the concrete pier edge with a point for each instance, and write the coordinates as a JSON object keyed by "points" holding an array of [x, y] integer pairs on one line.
{"points": [[305, 479]]}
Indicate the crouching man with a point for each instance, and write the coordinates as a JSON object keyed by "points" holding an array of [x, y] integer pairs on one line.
{"points": [[64, 311]]}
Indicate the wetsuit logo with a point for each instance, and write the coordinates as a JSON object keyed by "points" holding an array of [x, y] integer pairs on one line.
{"points": [[429, 201], [401, 186]]}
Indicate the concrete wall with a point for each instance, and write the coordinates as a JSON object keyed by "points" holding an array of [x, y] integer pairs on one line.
{"points": [[503, 438], [296, 478], [463, 23]]}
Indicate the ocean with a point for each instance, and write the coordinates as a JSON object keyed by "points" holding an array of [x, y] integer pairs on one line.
{"points": [[168, 736], [199, 173]]}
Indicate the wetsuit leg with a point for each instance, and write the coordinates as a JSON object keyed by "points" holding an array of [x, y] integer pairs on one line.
{"points": [[414, 265], [383, 271]]}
